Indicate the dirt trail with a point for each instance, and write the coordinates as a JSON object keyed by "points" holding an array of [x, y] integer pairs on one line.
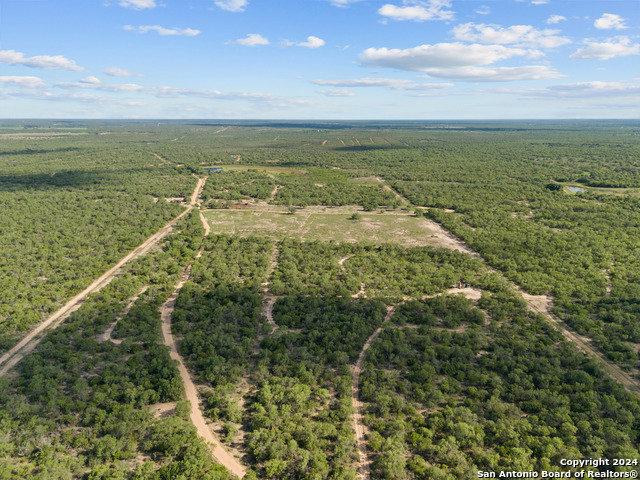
{"points": [[197, 191], [274, 192], [362, 293], [161, 158], [371, 140], [217, 450], [539, 304], [344, 144], [543, 304], [357, 417], [106, 336], [325, 142], [398, 196], [28, 343], [342, 260], [205, 224], [443, 237], [273, 264], [267, 311]]}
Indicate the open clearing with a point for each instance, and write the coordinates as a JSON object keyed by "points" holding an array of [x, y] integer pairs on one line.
{"points": [[269, 169], [408, 231]]}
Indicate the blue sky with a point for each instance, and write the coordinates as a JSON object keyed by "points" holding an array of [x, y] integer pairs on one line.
{"points": [[320, 59]]}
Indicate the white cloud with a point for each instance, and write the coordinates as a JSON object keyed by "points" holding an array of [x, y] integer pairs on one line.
{"points": [[483, 10], [364, 82], [73, 97], [583, 89], [425, 86], [120, 72], [418, 11], [553, 19], [27, 82], [495, 74], [539, 2], [392, 83], [253, 40], [597, 89], [336, 93], [176, 92], [343, 3], [41, 61], [105, 87], [518, 35], [232, 5], [137, 4], [188, 32], [91, 80], [614, 47], [440, 55], [312, 42], [610, 21]]}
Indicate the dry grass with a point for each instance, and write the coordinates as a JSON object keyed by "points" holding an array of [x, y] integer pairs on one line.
{"points": [[405, 230]]}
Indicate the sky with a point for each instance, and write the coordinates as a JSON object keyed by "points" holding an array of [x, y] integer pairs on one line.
{"points": [[320, 59]]}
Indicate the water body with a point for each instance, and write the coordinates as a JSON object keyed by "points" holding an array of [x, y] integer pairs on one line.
{"points": [[573, 189]]}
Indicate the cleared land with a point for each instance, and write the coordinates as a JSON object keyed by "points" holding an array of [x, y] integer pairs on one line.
{"points": [[269, 169], [404, 230]]}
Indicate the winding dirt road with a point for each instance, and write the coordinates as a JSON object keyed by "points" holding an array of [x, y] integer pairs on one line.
{"points": [[221, 455], [267, 311], [106, 336], [357, 417], [543, 305]]}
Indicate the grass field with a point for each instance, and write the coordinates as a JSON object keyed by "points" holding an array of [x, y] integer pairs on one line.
{"points": [[407, 231], [616, 191], [269, 169]]}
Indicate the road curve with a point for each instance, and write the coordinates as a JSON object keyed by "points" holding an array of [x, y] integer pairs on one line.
{"points": [[221, 455]]}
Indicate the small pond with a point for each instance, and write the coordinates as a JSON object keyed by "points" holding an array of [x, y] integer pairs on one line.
{"points": [[573, 189]]}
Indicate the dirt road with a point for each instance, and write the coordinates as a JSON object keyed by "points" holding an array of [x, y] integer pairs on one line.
{"points": [[205, 224], [28, 343], [542, 304], [357, 417], [342, 260], [106, 336], [197, 191], [217, 450], [221, 455], [267, 311]]}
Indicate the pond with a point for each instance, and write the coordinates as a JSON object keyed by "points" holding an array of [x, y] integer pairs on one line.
{"points": [[573, 189]]}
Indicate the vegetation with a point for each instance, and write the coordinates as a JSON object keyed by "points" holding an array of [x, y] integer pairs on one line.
{"points": [[450, 398], [278, 308], [78, 406]]}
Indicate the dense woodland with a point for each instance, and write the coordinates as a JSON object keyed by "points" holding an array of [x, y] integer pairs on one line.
{"points": [[450, 386], [79, 406], [69, 212], [448, 398]]}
